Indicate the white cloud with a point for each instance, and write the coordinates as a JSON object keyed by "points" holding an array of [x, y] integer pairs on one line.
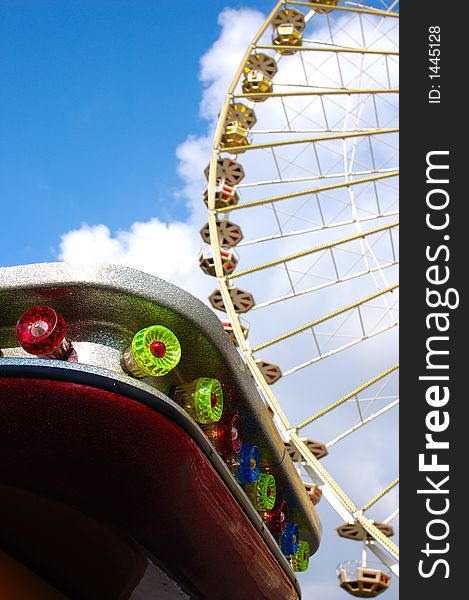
{"points": [[167, 250], [221, 62]]}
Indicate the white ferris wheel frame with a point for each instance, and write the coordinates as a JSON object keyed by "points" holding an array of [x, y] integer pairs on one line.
{"points": [[386, 551]]}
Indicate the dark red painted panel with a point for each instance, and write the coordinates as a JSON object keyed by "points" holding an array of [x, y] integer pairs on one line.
{"points": [[130, 466]]}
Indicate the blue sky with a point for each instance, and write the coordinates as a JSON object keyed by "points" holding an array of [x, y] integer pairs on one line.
{"points": [[95, 98], [101, 123]]}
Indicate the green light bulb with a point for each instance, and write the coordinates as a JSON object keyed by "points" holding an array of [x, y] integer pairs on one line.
{"points": [[264, 492], [300, 560], [202, 399], [156, 350], [208, 400]]}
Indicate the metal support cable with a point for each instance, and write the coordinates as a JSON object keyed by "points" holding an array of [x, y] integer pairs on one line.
{"points": [[337, 49], [351, 394], [358, 10], [319, 92], [312, 140], [382, 493], [324, 318], [315, 190], [278, 261]]}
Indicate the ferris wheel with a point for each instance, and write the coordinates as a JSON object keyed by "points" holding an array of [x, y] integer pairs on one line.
{"points": [[302, 238]]}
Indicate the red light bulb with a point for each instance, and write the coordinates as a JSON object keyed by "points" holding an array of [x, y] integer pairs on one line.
{"points": [[230, 435], [158, 348], [42, 332], [226, 435], [277, 518]]}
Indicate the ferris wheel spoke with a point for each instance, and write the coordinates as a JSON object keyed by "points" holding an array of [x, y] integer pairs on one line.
{"points": [[332, 220], [316, 190], [391, 563], [392, 516], [372, 171], [362, 423], [282, 88], [325, 355], [317, 228], [320, 92], [362, 334], [372, 399], [355, 8], [336, 49], [324, 138], [346, 274], [341, 130], [380, 494], [321, 286], [325, 318], [314, 250], [378, 396], [376, 34], [347, 397]]}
